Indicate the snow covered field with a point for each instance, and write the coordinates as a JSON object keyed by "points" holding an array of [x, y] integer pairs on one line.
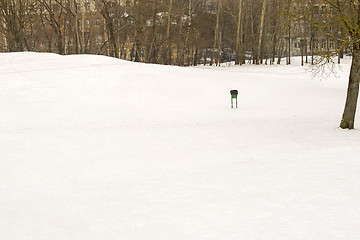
{"points": [[98, 148]]}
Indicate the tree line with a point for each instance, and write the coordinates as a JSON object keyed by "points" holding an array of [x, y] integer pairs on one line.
{"points": [[177, 32]]}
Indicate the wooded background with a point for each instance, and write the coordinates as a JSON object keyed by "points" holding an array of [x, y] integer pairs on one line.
{"points": [[177, 32]]}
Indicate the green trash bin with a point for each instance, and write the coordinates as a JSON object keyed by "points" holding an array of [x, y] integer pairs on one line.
{"points": [[234, 94]]}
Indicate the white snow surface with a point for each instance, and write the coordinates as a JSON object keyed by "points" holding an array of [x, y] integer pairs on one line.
{"points": [[93, 148]]}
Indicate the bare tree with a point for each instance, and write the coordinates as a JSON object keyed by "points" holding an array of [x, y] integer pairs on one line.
{"points": [[342, 15], [216, 31], [105, 8], [53, 15], [15, 22], [348, 13], [238, 59], [168, 51], [261, 30]]}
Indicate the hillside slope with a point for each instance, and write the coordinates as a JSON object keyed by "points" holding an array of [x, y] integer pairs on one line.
{"points": [[98, 148]]}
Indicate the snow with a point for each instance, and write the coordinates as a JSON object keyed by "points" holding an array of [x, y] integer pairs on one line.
{"points": [[99, 148]]}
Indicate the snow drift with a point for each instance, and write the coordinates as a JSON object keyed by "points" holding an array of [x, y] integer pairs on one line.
{"points": [[98, 148]]}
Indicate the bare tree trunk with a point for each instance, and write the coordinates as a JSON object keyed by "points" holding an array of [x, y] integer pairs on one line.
{"points": [[196, 57], [302, 52], [253, 38], [288, 62], [348, 117], [187, 33], [77, 34], [216, 32], [83, 47], [105, 12], [312, 37], [261, 31], [238, 35], [306, 51], [167, 58], [243, 37], [180, 44], [151, 58], [280, 51]]}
